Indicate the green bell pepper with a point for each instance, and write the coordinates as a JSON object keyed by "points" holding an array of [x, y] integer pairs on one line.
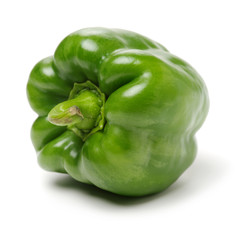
{"points": [[116, 110]]}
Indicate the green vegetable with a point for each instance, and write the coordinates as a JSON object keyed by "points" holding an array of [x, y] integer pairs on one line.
{"points": [[116, 110]]}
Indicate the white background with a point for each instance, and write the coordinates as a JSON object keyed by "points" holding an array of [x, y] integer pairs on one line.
{"points": [[202, 204]]}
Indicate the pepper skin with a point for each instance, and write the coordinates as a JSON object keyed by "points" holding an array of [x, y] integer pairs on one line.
{"points": [[116, 110]]}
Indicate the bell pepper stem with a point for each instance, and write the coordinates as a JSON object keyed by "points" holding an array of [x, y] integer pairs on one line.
{"points": [[74, 110], [83, 112]]}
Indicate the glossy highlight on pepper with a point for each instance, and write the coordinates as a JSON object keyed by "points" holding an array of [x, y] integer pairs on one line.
{"points": [[116, 110]]}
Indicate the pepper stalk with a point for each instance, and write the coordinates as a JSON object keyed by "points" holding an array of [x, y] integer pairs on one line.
{"points": [[83, 112]]}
